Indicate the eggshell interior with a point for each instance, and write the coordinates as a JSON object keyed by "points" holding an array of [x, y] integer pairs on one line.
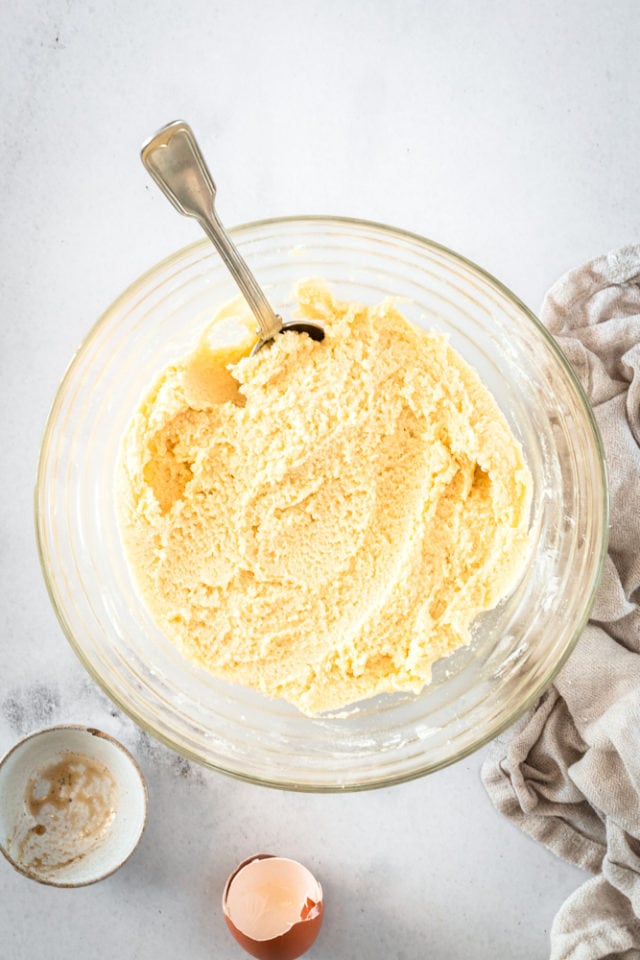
{"points": [[267, 897]]}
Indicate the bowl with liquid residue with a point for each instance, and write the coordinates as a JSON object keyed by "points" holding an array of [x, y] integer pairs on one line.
{"points": [[73, 805]]}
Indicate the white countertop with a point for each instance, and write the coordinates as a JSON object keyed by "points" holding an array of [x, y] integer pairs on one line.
{"points": [[505, 130]]}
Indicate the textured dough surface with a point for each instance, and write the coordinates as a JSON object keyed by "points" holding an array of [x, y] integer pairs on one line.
{"points": [[323, 521]]}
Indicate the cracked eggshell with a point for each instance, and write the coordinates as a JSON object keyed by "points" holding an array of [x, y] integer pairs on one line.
{"points": [[273, 907]]}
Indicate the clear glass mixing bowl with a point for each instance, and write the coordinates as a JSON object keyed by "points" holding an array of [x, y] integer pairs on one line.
{"points": [[475, 693]]}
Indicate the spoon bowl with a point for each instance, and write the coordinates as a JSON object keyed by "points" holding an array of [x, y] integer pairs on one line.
{"points": [[312, 330]]}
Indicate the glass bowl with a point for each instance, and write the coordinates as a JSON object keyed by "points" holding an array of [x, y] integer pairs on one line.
{"points": [[478, 691]]}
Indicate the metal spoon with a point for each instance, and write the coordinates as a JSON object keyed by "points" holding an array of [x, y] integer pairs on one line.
{"points": [[174, 160]]}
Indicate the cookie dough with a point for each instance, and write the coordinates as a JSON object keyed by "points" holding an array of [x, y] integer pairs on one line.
{"points": [[323, 521]]}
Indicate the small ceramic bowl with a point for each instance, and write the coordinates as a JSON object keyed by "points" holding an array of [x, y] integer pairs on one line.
{"points": [[73, 805]]}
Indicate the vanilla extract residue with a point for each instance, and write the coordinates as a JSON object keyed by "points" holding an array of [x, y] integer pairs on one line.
{"points": [[68, 809]]}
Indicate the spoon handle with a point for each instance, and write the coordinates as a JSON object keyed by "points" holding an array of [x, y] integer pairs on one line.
{"points": [[174, 160]]}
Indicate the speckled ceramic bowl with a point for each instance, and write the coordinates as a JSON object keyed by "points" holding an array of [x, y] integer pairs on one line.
{"points": [[73, 805], [516, 649]]}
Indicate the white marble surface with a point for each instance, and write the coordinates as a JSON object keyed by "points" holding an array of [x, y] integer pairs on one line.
{"points": [[506, 130]]}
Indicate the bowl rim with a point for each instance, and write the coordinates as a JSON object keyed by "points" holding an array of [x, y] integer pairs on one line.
{"points": [[238, 232], [135, 766]]}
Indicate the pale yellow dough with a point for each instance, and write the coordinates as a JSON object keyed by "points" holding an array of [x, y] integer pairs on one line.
{"points": [[323, 521]]}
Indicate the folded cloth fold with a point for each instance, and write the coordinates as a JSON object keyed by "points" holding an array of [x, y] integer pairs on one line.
{"points": [[569, 773]]}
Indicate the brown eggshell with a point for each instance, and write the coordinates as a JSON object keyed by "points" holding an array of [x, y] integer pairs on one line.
{"points": [[287, 946]]}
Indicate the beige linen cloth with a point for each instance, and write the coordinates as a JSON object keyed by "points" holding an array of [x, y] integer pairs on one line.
{"points": [[569, 773]]}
